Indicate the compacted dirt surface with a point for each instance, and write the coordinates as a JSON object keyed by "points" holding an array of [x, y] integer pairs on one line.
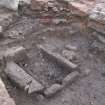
{"points": [[87, 52]]}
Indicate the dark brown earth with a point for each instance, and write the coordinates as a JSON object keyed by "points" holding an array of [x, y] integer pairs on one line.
{"points": [[88, 89]]}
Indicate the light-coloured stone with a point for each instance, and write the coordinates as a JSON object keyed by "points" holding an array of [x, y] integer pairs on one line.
{"points": [[70, 78], [16, 54], [70, 55], [86, 72], [52, 90], [35, 86], [70, 47]]}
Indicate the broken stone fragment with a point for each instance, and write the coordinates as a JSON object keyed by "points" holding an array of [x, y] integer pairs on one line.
{"points": [[16, 54], [85, 72], [70, 55], [58, 21], [52, 90], [1, 29], [59, 59], [35, 86], [70, 78], [70, 47], [22, 79]]}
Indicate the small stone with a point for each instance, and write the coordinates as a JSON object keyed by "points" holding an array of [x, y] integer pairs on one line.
{"points": [[40, 97], [52, 90], [70, 47], [25, 65], [44, 38], [70, 55], [1, 29], [58, 21], [35, 87], [86, 72], [70, 78], [55, 9], [50, 4]]}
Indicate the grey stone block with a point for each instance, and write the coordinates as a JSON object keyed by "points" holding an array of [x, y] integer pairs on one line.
{"points": [[59, 59], [16, 54], [70, 78], [22, 79], [52, 90]]}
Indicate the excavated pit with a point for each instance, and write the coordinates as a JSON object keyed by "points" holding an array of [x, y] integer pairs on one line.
{"points": [[43, 67]]}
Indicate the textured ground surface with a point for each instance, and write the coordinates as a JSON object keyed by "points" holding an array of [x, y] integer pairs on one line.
{"points": [[29, 32]]}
